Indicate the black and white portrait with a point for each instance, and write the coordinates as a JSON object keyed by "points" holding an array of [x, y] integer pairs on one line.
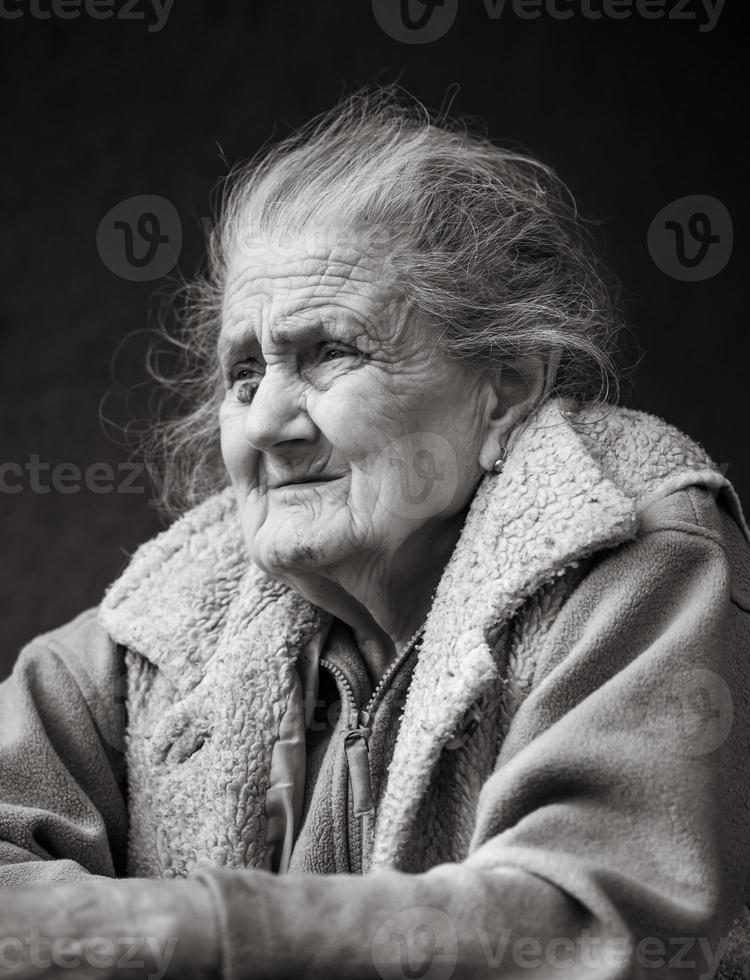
{"points": [[375, 568]]}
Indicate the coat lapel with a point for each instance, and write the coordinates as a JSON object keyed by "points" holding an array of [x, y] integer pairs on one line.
{"points": [[191, 592], [225, 638]]}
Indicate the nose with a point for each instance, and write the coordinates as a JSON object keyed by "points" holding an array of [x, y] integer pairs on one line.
{"points": [[277, 413]]}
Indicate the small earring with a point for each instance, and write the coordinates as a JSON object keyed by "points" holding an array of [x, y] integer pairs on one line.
{"points": [[500, 461]]}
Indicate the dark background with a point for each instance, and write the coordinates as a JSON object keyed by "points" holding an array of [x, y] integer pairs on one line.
{"points": [[633, 115]]}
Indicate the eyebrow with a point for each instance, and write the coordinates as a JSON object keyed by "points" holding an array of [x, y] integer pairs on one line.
{"points": [[228, 349], [294, 329]]}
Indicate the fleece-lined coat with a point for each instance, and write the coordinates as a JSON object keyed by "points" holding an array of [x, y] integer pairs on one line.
{"points": [[594, 618]]}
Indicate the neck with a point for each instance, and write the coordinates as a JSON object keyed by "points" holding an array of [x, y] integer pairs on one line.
{"points": [[385, 600]]}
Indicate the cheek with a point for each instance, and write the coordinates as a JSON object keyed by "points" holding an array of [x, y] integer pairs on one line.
{"points": [[235, 450], [358, 416], [414, 478], [408, 457]]}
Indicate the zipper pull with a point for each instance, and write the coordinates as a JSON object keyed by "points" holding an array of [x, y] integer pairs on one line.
{"points": [[363, 718], [358, 763]]}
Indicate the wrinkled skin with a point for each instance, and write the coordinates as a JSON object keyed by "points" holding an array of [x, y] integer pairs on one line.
{"points": [[328, 374]]}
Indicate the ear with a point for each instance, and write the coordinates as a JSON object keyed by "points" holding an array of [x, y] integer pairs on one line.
{"points": [[519, 385]]}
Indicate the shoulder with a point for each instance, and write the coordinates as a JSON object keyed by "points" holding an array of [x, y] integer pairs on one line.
{"points": [[697, 518], [83, 630], [81, 649], [682, 499], [686, 572], [67, 679], [689, 532]]}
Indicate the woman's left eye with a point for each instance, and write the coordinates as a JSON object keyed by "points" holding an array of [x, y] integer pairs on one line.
{"points": [[337, 353]]}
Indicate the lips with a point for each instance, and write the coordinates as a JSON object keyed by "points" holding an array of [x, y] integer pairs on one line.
{"points": [[303, 481]]}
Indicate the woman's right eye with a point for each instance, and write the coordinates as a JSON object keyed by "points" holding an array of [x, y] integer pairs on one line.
{"points": [[244, 385]]}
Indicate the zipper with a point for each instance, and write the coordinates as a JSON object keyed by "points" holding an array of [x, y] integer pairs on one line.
{"points": [[356, 737]]}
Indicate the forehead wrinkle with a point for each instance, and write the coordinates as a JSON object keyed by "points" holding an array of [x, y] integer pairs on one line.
{"points": [[308, 272], [275, 297]]}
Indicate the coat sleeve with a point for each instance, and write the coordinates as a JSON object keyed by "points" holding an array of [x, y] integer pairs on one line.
{"points": [[611, 841], [62, 766], [64, 826]]}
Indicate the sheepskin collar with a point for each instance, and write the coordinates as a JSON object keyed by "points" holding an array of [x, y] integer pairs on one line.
{"points": [[568, 489]]}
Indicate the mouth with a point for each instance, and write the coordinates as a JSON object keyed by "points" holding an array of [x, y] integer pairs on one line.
{"points": [[304, 484]]}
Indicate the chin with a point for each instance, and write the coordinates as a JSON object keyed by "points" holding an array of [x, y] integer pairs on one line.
{"points": [[282, 552]]}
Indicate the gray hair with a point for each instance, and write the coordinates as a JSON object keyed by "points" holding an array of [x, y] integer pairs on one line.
{"points": [[486, 243]]}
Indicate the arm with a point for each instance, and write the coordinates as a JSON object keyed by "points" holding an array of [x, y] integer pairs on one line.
{"points": [[64, 826], [610, 841], [63, 813]]}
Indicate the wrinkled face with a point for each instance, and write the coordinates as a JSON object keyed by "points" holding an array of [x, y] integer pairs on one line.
{"points": [[345, 433]]}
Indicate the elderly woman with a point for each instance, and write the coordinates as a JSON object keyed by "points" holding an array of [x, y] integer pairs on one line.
{"points": [[445, 670]]}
